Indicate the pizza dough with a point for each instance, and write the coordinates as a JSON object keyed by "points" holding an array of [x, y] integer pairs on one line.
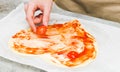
{"points": [[67, 44]]}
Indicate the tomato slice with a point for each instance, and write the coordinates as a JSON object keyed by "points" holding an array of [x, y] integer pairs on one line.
{"points": [[41, 30], [72, 54]]}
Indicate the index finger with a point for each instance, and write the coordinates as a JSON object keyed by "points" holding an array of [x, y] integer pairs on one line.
{"points": [[30, 15]]}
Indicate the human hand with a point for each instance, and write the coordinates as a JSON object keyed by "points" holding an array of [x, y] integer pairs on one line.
{"points": [[32, 6]]}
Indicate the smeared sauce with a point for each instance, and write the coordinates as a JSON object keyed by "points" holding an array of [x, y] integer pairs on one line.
{"points": [[89, 51], [69, 43]]}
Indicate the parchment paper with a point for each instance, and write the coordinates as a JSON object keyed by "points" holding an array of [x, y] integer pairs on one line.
{"points": [[107, 38]]}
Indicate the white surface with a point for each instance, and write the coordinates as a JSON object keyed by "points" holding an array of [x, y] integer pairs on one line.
{"points": [[108, 59]]}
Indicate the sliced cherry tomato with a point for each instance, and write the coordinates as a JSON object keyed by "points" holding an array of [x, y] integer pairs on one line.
{"points": [[72, 54], [41, 30]]}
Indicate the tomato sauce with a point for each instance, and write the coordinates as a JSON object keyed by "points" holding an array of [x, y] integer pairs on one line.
{"points": [[75, 57]]}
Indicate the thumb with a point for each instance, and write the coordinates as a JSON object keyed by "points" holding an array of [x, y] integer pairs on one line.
{"points": [[46, 15]]}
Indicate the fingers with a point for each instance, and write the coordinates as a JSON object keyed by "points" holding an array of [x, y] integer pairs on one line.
{"points": [[38, 19], [32, 6], [46, 15], [30, 9]]}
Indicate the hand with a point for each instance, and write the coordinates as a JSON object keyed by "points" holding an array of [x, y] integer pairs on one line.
{"points": [[34, 5]]}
